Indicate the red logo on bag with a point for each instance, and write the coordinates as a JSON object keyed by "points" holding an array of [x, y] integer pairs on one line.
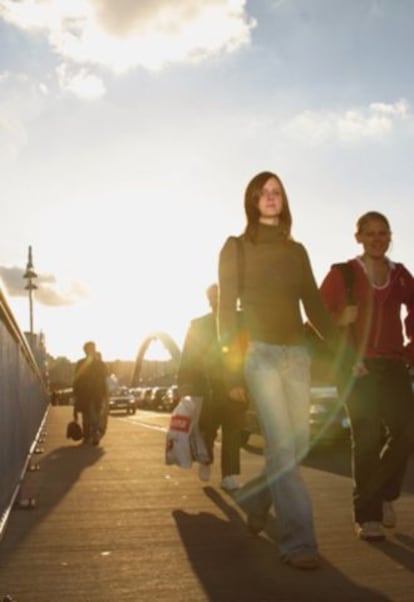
{"points": [[180, 423]]}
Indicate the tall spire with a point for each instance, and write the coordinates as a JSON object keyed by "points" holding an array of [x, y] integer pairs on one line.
{"points": [[29, 275]]}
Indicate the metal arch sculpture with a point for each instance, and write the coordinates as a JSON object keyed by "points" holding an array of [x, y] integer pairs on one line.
{"points": [[168, 343]]}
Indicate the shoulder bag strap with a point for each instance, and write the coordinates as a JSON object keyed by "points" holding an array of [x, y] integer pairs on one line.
{"points": [[240, 267], [348, 276]]}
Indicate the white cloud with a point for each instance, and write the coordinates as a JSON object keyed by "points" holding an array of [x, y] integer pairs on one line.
{"points": [[12, 131], [53, 295], [82, 84], [48, 292], [125, 34], [12, 135], [21, 101], [400, 108], [374, 122]]}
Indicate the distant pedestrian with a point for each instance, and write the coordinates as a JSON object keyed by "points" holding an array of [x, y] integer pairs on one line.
{"points": [[379, 400], [275, 369], [201, 374], [54, 398], [90, 392]]}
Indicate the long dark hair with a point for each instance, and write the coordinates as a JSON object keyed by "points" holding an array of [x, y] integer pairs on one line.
{"points": [[251, 199]]}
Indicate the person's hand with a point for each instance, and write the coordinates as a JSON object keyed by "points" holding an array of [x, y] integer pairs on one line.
{"points": [[348, 316], [409, 355], [238, 394], [359, 369]]}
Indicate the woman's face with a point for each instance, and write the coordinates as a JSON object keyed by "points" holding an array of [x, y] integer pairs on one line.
{"points": [[270, 202], [375, 238]]}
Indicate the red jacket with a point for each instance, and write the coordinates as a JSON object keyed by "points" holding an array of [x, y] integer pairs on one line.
{"points": [[378, 330]]}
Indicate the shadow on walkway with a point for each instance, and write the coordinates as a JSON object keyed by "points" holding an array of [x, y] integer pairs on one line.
{"points": [[233, 565], [59, 471]]}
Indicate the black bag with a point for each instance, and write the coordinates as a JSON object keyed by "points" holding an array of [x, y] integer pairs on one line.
{"points": [[327, 365], [74, 431]]}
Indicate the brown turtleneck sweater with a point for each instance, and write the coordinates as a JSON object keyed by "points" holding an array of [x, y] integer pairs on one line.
{"points": [[277, 279]]}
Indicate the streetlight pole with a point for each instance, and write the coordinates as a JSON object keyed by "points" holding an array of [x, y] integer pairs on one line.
{"points": [[29, 275]]}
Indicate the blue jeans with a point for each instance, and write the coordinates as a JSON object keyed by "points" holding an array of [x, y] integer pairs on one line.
{"points": [[278, 381]]}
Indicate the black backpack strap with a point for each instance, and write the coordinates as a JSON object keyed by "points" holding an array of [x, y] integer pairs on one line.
{"points": [[348, 275]]}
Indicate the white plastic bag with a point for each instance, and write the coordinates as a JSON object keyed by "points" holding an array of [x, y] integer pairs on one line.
{"points": [[184, 444]]}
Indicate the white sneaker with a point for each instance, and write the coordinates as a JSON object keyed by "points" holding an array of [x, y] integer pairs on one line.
{"points": [[370, 531], [204, 472], [230, 483], [389, 518]]}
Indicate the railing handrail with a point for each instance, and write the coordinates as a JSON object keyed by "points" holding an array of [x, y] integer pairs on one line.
{"points": [[6, 315]]}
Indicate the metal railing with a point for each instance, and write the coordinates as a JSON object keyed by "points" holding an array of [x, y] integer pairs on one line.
{"points": [[24, 401]]}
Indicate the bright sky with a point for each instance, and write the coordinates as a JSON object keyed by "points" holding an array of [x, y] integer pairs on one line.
{"points": [[129, 131]]}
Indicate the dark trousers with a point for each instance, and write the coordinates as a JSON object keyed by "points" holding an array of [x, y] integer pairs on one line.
{"points": [[227, 415], [91, 419], [381, 411]]}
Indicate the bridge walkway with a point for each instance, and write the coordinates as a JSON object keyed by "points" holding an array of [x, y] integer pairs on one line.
{"points": [[115, 523]]}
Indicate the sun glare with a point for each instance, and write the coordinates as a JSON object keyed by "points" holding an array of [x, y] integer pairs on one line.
{"points": [[146, 271], [157, 351]]}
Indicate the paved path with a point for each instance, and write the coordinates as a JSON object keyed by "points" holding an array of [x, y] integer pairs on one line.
{"points": [[115, 523]]}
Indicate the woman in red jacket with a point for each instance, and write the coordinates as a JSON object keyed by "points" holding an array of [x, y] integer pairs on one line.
{"points": [[380, 400]]}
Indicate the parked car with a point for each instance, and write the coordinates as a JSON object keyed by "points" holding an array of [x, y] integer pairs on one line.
{"points": [[155, 401], [138, 394], [328, 420], [171, 398], [122, 399], [62, 397], [146, 397]]}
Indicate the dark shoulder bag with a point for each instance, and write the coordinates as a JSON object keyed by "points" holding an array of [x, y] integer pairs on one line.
{"points": [[324, 362]]}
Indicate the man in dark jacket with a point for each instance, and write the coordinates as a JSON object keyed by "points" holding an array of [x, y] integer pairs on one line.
{"points": [[90, 392], [201, 374]]}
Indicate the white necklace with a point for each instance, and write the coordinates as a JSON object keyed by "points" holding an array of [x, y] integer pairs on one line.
{"points": [[372, 282]]}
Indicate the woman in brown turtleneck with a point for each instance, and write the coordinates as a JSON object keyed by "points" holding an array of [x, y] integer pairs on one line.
{"points": [[274, 372]]}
